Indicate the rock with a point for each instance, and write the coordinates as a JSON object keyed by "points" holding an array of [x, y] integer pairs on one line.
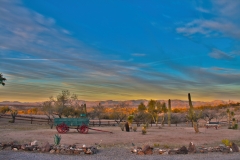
{"points": [[147, 149], [93, 149], [23, 147], [161, 151], [226, 150], [140, 153], [235, 147], [74, 146], [29, 148], [182, 150], [34, 143], [69, 151], [46, 147], [76, 152], [57, 151], [134, 150], [62, 151], [172, 151], [52, 151], [88, 151], [16, 146], [192, 148], [15, 149]]}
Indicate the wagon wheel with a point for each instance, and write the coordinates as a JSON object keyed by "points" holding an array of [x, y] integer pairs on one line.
{"points": [[62, 128], [59, 129], [83, 129]]}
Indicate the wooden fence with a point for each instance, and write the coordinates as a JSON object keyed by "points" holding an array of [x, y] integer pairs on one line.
{"points": [[35, 119], [31, 119]]}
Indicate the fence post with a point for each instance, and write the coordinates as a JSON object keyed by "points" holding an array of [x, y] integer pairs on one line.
{"points": [[31, 119], [108, 123], [93, 123]]}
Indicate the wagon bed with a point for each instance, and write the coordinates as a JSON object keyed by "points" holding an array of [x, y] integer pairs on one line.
{"points": [[64, 124]]}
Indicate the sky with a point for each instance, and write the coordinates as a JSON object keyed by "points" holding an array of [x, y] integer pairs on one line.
{"points": [[120, 50]]}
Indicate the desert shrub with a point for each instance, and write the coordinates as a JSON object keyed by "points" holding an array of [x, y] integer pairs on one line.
{"points": [[156, 145], [166, 146], [235, 126], [134, 128], [122, 125], [144, 129], [226, 142]]}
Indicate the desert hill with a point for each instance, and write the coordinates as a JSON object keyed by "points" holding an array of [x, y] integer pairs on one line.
{"points": [[111, 103]]}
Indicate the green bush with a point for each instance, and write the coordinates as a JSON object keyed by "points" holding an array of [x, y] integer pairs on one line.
{"points": [[144, 129], [226, 142], [235, 126]]}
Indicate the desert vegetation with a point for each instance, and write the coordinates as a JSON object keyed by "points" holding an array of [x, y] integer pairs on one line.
{"points": [[66, 105]]}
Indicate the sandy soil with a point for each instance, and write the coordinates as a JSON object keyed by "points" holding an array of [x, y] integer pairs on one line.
{"points": [[165, 137]]}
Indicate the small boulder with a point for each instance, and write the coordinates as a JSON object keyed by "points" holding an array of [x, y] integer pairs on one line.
{"points": [[172, 151], [235, 147], [76, 151], [46, 147], [182, 150], [140, 152], [52, 151], [34, 143], [161, 151], [147, 149], [192, 148], [93, 149]]}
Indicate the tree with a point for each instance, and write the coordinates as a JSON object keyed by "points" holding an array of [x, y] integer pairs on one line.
{"points": [[34, 110], [155, 108], [208, 115], [162, 109], [62, 101], [4, 109], [220, 116], [118, 112], [13, 114], [2, 79], [177, 118], [69, 111], [142, 107], [48, 110], [98, 112]]}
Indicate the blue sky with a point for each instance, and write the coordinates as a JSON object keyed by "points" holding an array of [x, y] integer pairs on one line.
{"points": [[120, 50]]}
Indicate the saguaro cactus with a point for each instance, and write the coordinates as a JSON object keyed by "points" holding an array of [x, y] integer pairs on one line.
{"points": [[169, 112], [192, 116]]}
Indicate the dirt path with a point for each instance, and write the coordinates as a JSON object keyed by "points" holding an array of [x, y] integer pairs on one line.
{"points": [[166, 137]]}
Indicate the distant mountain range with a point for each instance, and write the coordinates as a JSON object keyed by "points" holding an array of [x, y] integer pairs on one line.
{"points": [[130, 103]]}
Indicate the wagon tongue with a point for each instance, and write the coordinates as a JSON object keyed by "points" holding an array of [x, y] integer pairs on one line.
{"points": [[99, 130]]}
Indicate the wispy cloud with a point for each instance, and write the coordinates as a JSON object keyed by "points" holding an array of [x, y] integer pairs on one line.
{"points": [[138, 54], [224, 21], [217, 54], [202, 10]]}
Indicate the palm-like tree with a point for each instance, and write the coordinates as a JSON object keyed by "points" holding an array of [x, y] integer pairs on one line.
{"points": [[2, 79]]}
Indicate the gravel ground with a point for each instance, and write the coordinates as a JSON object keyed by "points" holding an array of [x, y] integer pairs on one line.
{"points": [[111, 154]]}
